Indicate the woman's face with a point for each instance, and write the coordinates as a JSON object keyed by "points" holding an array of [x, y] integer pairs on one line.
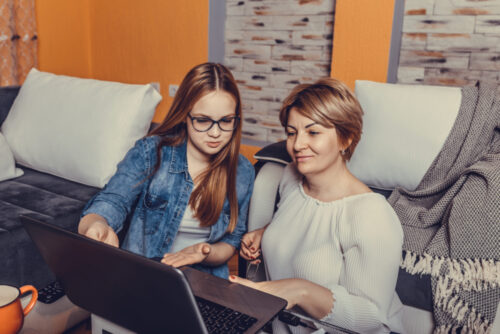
{"points": [[313, 147], [218, 106]]}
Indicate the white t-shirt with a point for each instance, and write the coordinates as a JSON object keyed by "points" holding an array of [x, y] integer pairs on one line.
{"points": [[189, 232], [351, 246]]}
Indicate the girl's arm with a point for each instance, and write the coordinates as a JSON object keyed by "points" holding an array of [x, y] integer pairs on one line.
{"points": [[113, 203], [95, 227], [205, 253]]}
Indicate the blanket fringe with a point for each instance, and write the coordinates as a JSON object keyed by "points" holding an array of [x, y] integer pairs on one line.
{"points": [[466, 274], [462, 274]]}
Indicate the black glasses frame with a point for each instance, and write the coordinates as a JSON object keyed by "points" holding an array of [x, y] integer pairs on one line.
{"points": [[193, 118]]}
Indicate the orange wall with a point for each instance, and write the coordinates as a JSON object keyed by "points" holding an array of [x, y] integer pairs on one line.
{"points": [[124, 40], [64, 37], [362, 40]]}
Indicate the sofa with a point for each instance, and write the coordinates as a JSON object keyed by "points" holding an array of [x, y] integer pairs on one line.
{"points": [[54, 157], [404, 129]]}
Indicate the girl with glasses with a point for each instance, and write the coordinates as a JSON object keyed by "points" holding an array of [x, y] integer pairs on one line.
{"points": [[184, 187]]}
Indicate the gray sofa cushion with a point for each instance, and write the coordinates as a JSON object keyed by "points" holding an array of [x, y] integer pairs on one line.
{"points": [[40, 195]]}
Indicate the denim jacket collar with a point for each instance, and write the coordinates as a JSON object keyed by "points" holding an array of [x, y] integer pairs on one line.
{"points": [[178, 160]]}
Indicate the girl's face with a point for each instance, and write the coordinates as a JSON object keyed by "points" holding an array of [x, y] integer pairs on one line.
{"points": [[313, 147], [215, 106]]}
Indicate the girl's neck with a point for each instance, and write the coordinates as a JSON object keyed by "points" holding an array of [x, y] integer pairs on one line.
{"points": [[196, 160]]}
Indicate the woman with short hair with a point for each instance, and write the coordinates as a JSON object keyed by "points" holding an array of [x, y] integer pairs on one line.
{"points": [[333, 247]]}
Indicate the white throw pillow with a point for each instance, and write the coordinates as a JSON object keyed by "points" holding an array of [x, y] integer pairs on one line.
{"points": [[404, 129], [78, 129], [8, 168]]}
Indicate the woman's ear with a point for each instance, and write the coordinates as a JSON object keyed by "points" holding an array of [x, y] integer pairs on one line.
{"points": [[346, 144]]}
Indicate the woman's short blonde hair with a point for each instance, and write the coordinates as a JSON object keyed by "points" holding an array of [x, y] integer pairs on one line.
{"points": [[330, 103]]}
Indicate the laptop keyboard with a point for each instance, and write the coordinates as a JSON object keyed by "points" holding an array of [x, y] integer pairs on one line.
{"points": [[220, 319]]}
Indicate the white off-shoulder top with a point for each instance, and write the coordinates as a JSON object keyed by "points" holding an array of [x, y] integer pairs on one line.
{"points": [[351, 246]]}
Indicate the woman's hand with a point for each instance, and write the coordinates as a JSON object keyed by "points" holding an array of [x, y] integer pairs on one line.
{"points": [[288, 289], [250, 244], [95, 227], [314, 299], [190, 255]]}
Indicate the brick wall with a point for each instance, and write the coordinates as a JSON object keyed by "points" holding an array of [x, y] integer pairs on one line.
{"points": [[271, 46], [450, 42]]}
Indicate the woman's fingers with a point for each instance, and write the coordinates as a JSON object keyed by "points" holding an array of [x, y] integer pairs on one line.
{"points": [[242, 281]]}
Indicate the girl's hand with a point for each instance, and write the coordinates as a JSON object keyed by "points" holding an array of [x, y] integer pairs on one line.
{"points": [[250, 244], [288, 289], [95, 227], [190, 255]]}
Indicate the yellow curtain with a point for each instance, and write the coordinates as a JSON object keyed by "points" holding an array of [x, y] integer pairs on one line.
{"points": [[18, 40]]}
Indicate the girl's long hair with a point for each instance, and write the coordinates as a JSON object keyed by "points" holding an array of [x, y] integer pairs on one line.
{"points": [[207, 199]]}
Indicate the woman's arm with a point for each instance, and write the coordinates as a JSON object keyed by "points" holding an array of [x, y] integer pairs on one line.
{"points": [[314, 299], [372, 253], [362, 299]]}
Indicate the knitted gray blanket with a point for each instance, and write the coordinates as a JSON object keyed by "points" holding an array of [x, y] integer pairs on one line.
{"points": [[451, 222]]}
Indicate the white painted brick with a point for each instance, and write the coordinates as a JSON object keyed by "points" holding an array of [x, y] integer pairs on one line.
{"points": [[436, 24], [314, 68], [489, 75], [462, 42], [263, 107], [267, 37], [433, 59], [314, 22], [414, 41], [450, 77], [419, 7], [269, 94], [252, 79], [312, 38], [276, 135], [290, 7], [284, 52], [467, 7], [248, 51], [290, 81], [410, 74], [266, 66], [254, 132], [485, 61], [489, 24], [235, 8], [234, 63], [234, 36], [249, 23]]}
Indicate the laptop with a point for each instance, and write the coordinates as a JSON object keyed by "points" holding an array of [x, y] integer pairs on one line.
{"points": [[144, 295]]}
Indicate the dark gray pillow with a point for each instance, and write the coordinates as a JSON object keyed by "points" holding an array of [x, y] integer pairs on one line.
{"points": [[7, 97]]}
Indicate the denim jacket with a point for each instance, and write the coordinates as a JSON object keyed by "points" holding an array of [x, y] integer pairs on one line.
{"points": [[157, 204]]}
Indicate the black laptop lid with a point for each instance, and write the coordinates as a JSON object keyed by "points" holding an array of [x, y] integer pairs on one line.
{"points": [[116, 284]]}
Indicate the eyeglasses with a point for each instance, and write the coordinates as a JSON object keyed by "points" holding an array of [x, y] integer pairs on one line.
{"points": [[203, 124]]}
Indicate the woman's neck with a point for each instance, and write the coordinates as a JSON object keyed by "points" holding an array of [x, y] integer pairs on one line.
{"points": [[331, 184]]}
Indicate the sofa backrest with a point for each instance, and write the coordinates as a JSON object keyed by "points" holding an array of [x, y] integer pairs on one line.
{"points": [[7, 96]]}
